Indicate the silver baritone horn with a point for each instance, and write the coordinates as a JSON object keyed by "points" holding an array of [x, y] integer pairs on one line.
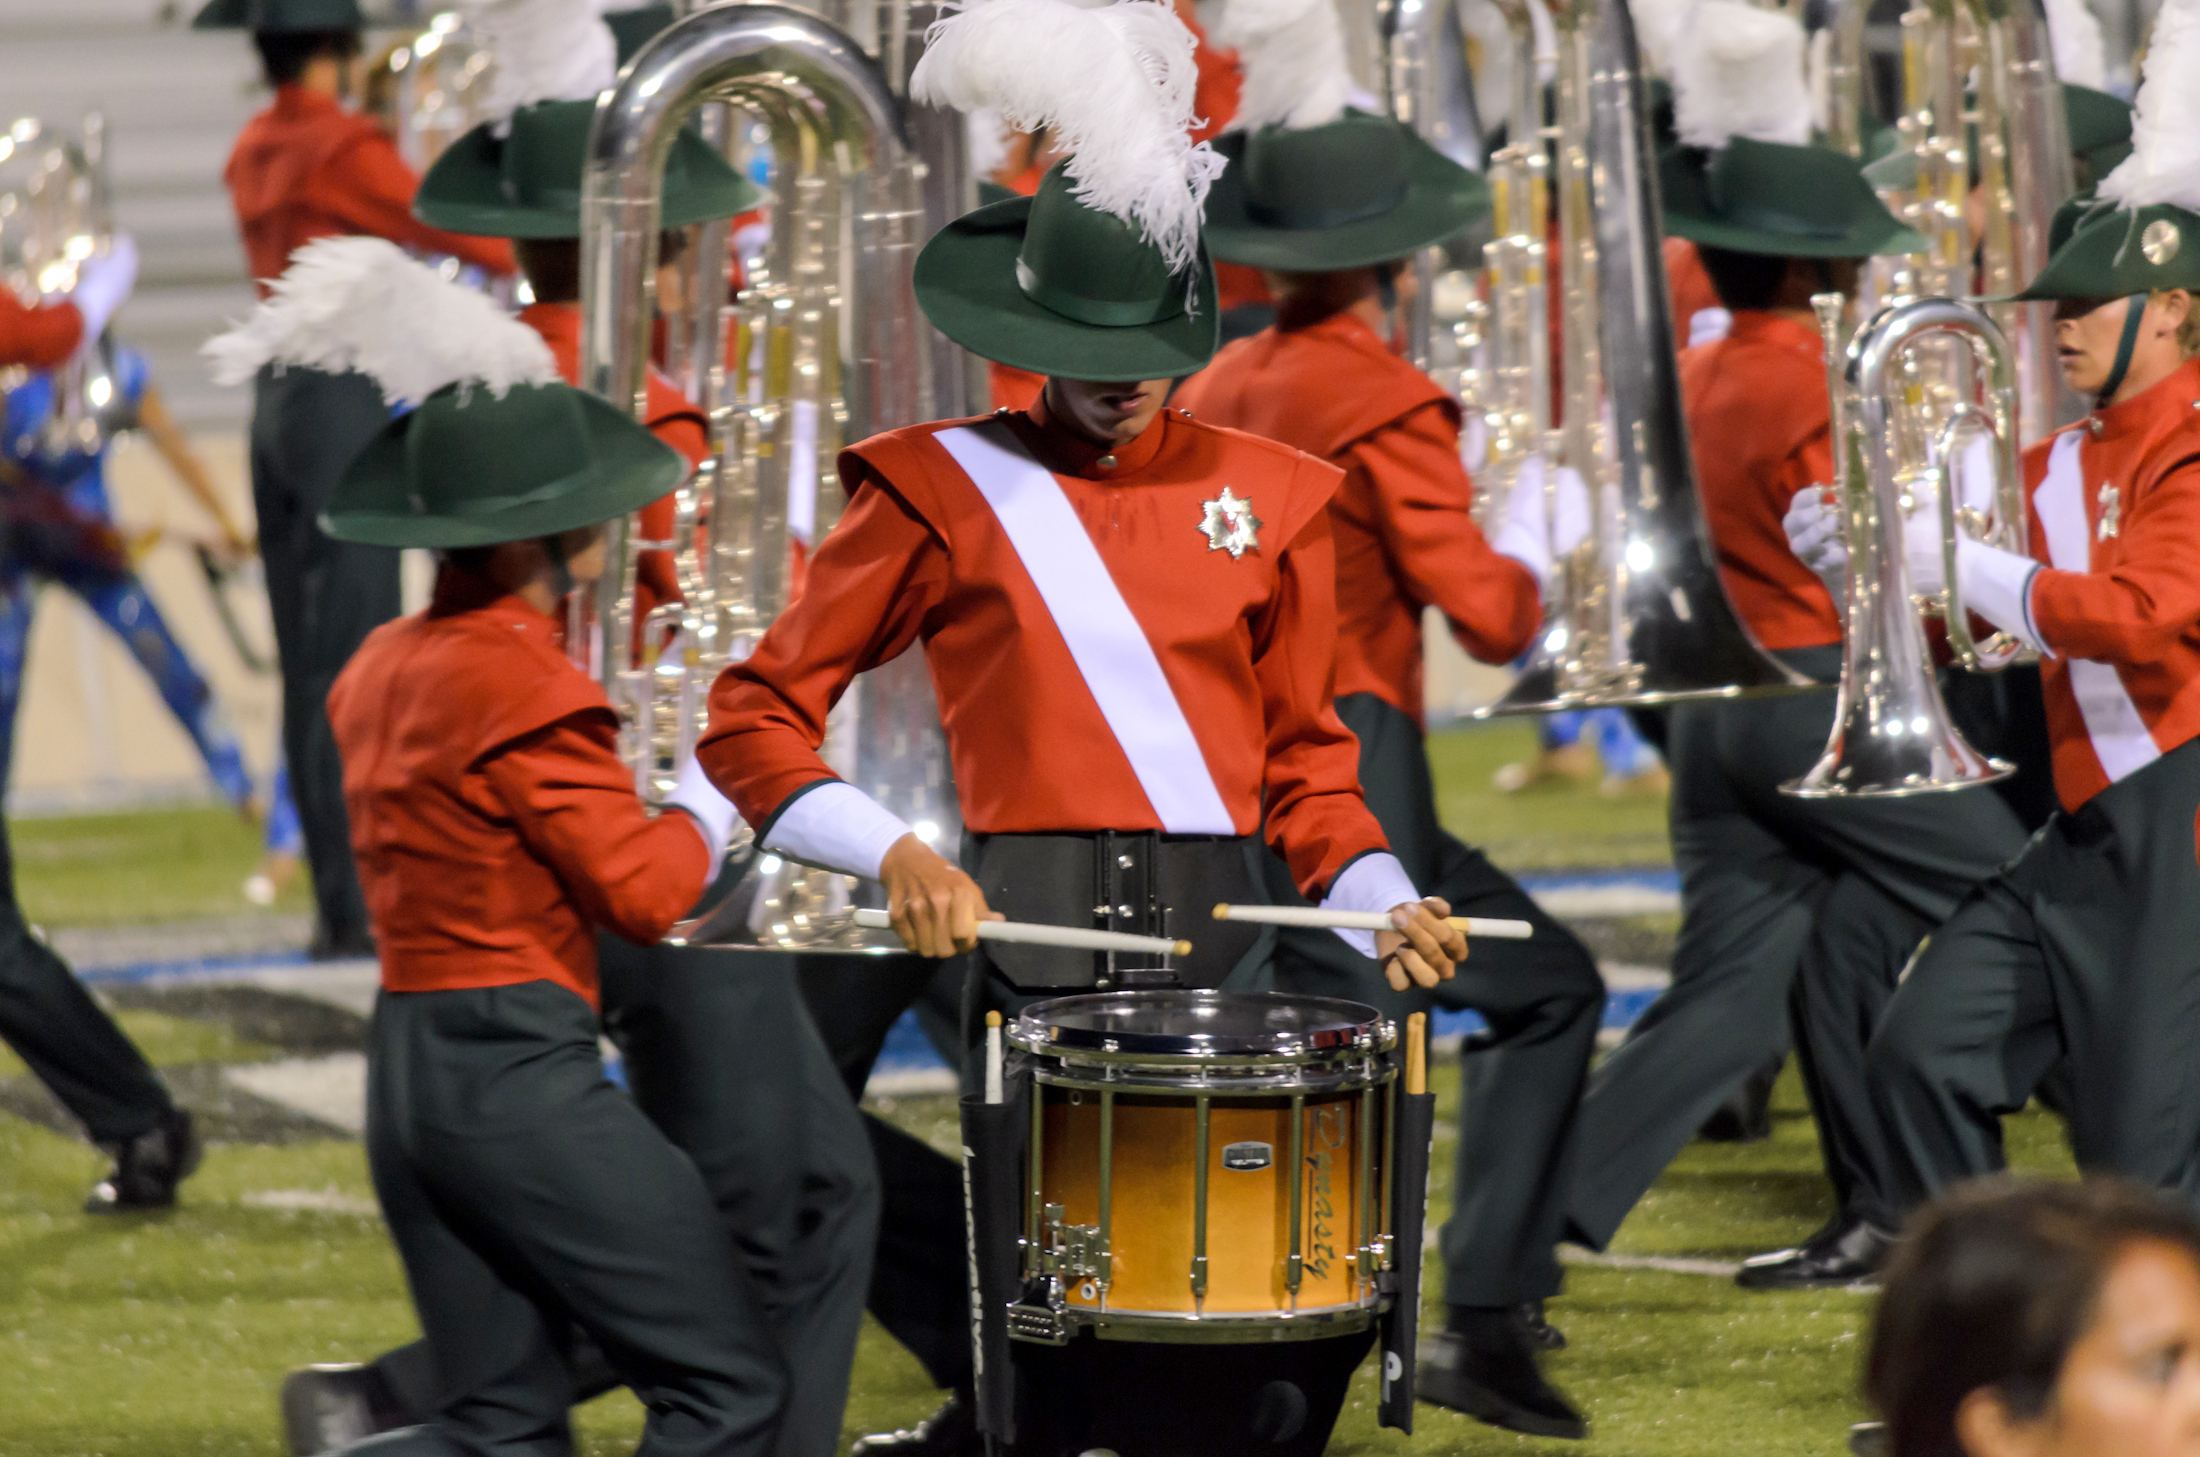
{"points": [[1637, 614], [1891, 730]]}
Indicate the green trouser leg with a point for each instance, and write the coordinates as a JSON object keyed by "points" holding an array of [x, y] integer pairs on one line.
{"points": [[325, 597], [2086, 949], [532, 1204], [1521, 1079], [1758, 870]]}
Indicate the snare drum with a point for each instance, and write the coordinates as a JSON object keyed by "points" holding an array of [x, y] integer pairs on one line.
{"points": [[1206, 1166]]}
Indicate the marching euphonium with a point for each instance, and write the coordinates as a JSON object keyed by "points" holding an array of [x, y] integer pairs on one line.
{"points": [[431, 88], [1637, 615], [839, 351], [1891, 730]]}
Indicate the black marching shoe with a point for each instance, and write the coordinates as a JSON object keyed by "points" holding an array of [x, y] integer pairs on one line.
{"points": [[1537, 1328], [1845, 1252], [952, 1431], [148, 1168], [327, 1407], [1485, 1366]]}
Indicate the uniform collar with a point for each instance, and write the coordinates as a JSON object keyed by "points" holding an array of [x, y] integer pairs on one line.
{"points": [[1072, 455], [459, 591], [557, 323], [1762, 326], [2173, 397]]}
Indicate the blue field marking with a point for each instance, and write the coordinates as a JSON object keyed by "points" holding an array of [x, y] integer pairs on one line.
{"points": [[201, 969]]}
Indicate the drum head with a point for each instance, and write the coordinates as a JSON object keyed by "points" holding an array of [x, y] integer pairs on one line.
{"points": [[1196, 1024]]}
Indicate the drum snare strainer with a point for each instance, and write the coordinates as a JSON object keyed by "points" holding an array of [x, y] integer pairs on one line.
{"points": [[1206, 1166]]}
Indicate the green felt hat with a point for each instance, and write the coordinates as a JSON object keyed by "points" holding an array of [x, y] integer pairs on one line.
{"points": [[1779, 199], [1357, 191], [528, 184], [1050, 285], [2110, 252], [2100, 136], [470, 469], [279, 15], [633, 29]]}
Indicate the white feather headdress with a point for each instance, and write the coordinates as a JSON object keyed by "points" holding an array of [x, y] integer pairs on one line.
{"points": [[2074, 35], [1112, 82], [542, 50], [1293, 56], [2164, 165], [1738, 72], [361, 303], [1660, 26]]}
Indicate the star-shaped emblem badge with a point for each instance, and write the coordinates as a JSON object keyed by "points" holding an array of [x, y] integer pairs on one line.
{"points": [[1229, 524]]}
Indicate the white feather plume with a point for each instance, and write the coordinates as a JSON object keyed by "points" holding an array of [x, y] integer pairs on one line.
{"points": [[2074, 35], [1293, 57], [1112, 82], [363, 304], [1660, 26], [542, 50], [1738, 72], [2164, 165]]}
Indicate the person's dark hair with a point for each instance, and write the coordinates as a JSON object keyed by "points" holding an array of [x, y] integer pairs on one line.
{"points": [[285, 54], [1990, 1287], [1744, 280], [553, 265]]}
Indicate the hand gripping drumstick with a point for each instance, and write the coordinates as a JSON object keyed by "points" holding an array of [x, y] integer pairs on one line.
{"points": [[1322, 920], [1075, 938]]}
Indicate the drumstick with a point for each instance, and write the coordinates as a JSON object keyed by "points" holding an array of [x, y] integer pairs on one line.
{"points": [[1417, 1053], [1027, 933], [1322, 920], [993, 1057]]}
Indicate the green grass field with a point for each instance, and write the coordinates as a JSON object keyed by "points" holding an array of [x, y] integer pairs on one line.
{"points": [[158, 1336]]}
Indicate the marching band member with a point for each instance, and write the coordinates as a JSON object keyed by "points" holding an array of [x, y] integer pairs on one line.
{"points": [[1331, 203], [307, 168], [1128, 614], [1789, 907], [497, 831], [2083, 949]]}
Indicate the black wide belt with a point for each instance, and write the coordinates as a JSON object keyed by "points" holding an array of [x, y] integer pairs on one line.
{"points": [[1145, 883]]}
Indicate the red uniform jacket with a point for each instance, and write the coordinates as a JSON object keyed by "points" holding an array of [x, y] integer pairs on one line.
{"points": [[1686, 276], [2115, 515], [1244, 644], [1761, 428], [305, 168], [40, 336], [1402, 520], [496, 829]]}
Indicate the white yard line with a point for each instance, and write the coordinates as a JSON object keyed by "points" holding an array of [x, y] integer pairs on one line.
{"points": [[332, 1089]]}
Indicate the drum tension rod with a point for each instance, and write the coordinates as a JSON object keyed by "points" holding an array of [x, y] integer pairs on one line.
{"points": [[1199, 1203], [1294, 1265]]}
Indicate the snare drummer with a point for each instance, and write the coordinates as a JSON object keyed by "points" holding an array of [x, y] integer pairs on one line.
{"points": [[1328, 379]]}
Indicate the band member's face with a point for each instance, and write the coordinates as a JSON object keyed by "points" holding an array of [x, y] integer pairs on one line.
{"points": [[2087, 333], [1106, 414], [585, 554]]}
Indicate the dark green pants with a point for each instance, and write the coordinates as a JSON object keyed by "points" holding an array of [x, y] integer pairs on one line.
{"points": [[2087, 949], [73, 1047], [1789, 908], [1542, 999], [533, 1204], [325, 597]]}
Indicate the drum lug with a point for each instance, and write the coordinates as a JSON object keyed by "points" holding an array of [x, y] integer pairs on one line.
{"points": [[1040, 1317]]}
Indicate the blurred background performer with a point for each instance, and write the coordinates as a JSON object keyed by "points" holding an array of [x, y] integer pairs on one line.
{"points": [[46, 1016], [308, 167], [2087, 948], [1804, 904], [1129, 615], [774, 1134], [497, 831], [1330, 203]]}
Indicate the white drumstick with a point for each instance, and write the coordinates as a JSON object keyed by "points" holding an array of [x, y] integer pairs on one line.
{"points": [[1322, 920], [1074, 938]]}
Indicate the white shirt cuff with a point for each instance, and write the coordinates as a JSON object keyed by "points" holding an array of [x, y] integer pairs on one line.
{"points": [[837, 826], [1375, 882], [1997, 585]]}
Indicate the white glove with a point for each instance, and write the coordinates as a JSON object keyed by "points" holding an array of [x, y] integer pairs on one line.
{"points": [[103, 281], [1708, 326], [1819, 540], [1997, 585], [1536, 528], [1921, 545], [714, 813], [1569, 512]]}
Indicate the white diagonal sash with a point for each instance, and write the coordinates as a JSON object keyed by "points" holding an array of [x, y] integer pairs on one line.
{"points": [[2121, 738], [1110, 649]]}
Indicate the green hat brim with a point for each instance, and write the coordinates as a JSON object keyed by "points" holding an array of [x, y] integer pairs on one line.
{"points": [[1780, 176], [627, 469], [464, 191], [2104, 259], [966, 283], [279, 16], [1442, 200]]}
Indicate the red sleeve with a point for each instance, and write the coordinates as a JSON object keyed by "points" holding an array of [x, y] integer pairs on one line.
{"points": [[1423, 509], [1312, 811], [573, 804], [866, 593], [2135, 609], [40, 337], [368, 185]]}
